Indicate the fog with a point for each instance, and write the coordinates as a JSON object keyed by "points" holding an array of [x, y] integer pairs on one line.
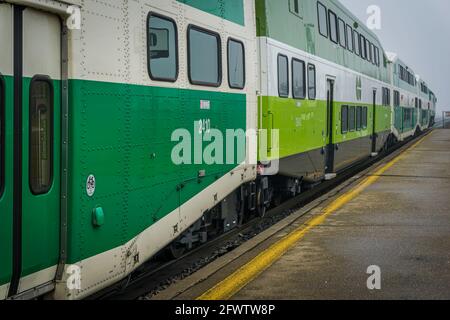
{"points": [[418, 31]]}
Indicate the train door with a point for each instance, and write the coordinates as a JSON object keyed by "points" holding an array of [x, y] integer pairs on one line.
{"points": [[374, 122], [33, 132], [6, 143], [329, 158]]}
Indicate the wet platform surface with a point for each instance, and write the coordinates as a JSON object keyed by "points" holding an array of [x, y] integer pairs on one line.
{"points": [[400, 223]]}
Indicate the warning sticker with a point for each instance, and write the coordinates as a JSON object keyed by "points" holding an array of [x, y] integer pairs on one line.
{"points": [[90, 185]]}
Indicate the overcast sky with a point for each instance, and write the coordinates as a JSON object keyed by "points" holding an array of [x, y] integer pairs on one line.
{"points": [[419, 32]]}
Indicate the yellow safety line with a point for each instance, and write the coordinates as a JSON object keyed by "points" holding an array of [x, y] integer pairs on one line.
{"points": [[247, 273]]}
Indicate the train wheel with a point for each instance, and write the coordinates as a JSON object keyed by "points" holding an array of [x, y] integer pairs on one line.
{"points": [[261, 208], [176, 250]]}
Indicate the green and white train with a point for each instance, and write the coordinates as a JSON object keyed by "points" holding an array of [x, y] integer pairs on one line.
{"points": [[93, 93]]}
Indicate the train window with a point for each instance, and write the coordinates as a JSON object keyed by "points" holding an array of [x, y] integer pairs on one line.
{"points": [[358, 118], [372, 53], [298, 79], [311, 82], [344, 119], [364, 118], [369, 49], [323, 20], [377, 56], [162, 48], [356, 40], [236, 64], [283, 76], [368, 53], [396, 98], [386, 99], [362, 43], [342, 34], [334, 36], [295, 8], [2, 135], [41, 135], [351, 119], [204, 56], [350, 43]]}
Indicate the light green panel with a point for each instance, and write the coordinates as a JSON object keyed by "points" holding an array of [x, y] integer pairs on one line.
{"points": [[302, 123]]}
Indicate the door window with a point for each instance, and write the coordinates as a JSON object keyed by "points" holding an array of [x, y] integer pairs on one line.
{"points": [[41, 135]]}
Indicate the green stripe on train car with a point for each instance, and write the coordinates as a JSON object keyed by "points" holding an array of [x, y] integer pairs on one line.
{"points": [[231, 10], [121, 134]]}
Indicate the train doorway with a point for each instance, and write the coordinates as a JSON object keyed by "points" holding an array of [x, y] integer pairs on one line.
{"points": [[30, 202], [330, 149], [374, 122]]}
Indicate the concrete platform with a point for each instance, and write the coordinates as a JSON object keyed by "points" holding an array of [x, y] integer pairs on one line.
{"points": [[396, 218]]}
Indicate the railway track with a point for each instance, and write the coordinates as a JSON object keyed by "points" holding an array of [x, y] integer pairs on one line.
{"points": [[157, 275]]}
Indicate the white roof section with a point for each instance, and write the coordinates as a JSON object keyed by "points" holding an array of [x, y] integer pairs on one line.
{"points": [[392, 57]]}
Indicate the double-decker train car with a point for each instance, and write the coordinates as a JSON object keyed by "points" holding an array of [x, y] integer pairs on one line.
{"points": [[130, 127], [413, 102], [325, 86], [91, 119]]}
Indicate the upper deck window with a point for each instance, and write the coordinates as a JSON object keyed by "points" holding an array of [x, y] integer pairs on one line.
{"points": [[368, 53], [162, 48], [323, 20], [356, 41], [204, 57], [350, 43], [371, 52], [362, 42], [283, 76], [342, 34], [236, 64], [333, 26], [377, 56]]}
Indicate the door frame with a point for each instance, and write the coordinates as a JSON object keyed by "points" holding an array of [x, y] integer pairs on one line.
{"points": [[18, 148], [374, 120], [63, 148], [330, 148]]}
